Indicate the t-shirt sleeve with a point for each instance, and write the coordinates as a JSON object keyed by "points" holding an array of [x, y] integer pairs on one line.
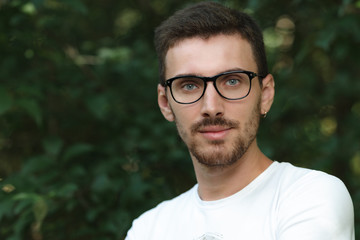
{"points": [[141, 226], [133, 233], [317, 207], [149, 224]]}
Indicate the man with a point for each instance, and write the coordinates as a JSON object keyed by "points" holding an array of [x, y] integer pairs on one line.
{"points": [[215, 85]]}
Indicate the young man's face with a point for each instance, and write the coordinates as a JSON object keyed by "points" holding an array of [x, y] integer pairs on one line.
{"points": [[217, 131]]}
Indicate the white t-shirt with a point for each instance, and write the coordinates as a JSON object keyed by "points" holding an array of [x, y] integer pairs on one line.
{"points": [[282, 203]]}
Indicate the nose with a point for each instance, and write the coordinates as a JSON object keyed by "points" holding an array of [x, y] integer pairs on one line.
{"points": [[212, 102]]}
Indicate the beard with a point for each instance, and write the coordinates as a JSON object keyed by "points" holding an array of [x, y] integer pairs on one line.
{"points": [[222, 154]]}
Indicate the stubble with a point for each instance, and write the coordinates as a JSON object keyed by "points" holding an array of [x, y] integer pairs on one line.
{"points": [[222, 155]]}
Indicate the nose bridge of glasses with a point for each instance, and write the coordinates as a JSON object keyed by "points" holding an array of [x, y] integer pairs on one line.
{"points": [[209, 80], [212, 82], [214, 79]]}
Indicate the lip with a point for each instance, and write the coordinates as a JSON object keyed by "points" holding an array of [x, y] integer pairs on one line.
{"points": [[213, 133]]}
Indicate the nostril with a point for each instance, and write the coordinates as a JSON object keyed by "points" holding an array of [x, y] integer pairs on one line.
{"points": [[205, 115], [211, 113]]}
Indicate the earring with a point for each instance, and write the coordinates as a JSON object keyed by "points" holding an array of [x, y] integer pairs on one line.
{"points": [[264, 115]]}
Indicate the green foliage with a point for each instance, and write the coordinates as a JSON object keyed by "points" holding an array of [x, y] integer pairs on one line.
{"points": [[83, 147]]}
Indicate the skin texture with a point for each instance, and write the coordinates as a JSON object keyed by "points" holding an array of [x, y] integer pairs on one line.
{"points": [[220, 134]]}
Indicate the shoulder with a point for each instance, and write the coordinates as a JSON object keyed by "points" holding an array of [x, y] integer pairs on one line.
{"points": [[314, 203], [149, 221], [314, 184]]}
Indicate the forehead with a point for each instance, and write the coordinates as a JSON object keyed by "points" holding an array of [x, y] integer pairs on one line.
{"points": [[209, 56]]}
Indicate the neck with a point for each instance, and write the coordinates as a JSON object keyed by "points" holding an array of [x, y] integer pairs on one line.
{"points": [[220, 182]]}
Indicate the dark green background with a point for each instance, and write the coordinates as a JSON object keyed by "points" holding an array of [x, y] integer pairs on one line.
{"points": [[83, 147]]}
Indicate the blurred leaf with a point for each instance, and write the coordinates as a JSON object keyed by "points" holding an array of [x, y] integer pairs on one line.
{"points": [[32, 108], [76, 150], [77, 5], [40, 209], [52, 145], [5, 101], [38, 3], [67, 191], [5, 208], [98, 106], [102, 183]]}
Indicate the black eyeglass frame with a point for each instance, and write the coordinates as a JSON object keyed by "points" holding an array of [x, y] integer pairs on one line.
{"points": [[213, 79]]}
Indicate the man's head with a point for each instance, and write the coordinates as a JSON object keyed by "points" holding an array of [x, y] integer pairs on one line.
{"points": [[207, 19], [211, 89]]}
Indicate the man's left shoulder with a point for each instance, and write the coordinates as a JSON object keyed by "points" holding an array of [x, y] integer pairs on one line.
{"points": [[314, 182], [314, 203]]}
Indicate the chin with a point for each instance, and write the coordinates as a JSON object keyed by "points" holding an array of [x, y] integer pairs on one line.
{"points": [[217, 159]]}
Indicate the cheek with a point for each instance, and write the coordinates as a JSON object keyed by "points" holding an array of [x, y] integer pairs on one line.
{"points": [[183, 129], [185, 117], [244, 112], [185, 114]]}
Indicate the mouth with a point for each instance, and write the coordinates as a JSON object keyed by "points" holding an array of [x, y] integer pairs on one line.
{"points": [[214, 133], [214, 129]]}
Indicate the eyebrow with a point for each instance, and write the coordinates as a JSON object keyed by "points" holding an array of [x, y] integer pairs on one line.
{"points": [[200, 75]]}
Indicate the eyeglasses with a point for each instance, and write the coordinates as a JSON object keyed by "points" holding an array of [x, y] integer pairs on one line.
{"points": [[232, 85]]}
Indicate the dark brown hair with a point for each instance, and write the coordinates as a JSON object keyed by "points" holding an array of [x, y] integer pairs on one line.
{"points": [[206, 19]]}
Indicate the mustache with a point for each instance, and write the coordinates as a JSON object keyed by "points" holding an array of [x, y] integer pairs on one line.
{"points": [[219, 121]]}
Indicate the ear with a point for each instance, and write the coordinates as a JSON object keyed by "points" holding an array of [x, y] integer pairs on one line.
{"points": [[164, 104], [267, 93]]}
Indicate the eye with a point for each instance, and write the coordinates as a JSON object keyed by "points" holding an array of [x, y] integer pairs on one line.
{"points": [[232, 82], [189, 86]]}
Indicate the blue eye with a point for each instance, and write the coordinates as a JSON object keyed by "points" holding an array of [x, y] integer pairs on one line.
{"points": [[189, 87], [232, 82]]}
